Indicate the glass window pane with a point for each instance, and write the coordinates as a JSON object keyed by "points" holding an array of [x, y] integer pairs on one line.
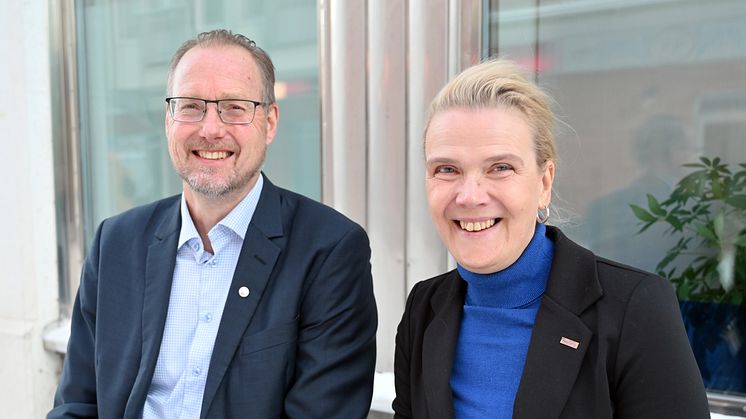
{"points": [[124, 52], [642, 87]]}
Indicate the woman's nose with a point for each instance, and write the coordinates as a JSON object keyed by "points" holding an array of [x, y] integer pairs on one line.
{"points": [[471, 192]]}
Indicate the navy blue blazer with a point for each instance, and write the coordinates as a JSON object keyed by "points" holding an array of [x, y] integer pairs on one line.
{"points": [[632, 359], [302, 344]]}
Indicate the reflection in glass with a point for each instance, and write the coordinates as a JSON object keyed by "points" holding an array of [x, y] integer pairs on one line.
{"points": [[642, 87], [124, 53]]}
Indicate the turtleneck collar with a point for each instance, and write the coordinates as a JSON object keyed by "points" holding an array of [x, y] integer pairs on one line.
{"points": [[518, 285]]}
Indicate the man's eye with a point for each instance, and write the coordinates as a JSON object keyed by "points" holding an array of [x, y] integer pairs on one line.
{"points": [[190, 106], [233, 107]]}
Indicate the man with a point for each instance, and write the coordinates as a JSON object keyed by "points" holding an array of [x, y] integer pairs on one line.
{"points": [[236, 299]]}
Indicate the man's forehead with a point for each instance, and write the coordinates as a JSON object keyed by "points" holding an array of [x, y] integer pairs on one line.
{"points": [[218, 56], [222, 69]]}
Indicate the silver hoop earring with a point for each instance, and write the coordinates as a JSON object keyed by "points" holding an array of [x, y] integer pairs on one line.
{"points": [[542, 215]]}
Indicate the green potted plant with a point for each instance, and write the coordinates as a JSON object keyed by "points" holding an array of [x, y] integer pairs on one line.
{"points": [[707, 265]]}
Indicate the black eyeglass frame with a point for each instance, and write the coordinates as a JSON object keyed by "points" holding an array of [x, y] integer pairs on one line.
{"points": [[217, 105]]}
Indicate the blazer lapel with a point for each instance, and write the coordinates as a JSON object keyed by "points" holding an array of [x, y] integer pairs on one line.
{"points": [[559, 339], [255, 264], [159, 271], [438, 347]]}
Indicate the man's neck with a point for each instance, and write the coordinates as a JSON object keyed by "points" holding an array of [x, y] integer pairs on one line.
{"points": [[207, 211]]}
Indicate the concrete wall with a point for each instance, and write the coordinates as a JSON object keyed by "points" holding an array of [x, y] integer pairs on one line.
{"points": [[28, 260]]}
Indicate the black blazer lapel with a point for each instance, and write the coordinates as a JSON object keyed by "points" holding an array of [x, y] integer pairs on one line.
{"points": [[159, 272], [255, 264], [439, 345], [560, 339]]}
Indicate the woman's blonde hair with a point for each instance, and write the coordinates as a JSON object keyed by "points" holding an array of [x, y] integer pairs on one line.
{"points": [[501, 83]]}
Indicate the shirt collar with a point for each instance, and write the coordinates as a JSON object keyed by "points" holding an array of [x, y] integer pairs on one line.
{"points": [[237, 220]]}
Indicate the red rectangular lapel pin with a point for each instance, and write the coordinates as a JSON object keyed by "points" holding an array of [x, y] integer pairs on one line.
{"points": [[569, 342]]}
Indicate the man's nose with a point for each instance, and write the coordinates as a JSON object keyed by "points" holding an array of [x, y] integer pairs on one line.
{"points": [[212, 126]]}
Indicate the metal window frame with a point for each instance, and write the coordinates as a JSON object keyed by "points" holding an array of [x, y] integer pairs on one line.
{"points": [[67, 150]]}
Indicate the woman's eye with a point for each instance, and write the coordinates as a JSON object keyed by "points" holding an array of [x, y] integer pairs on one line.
{"points": [[445, 170], [502, 169]]}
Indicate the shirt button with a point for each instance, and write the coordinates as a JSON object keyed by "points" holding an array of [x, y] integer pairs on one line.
{"points": [[196, 371], [208, 317], [214, 261], [195, 247]]}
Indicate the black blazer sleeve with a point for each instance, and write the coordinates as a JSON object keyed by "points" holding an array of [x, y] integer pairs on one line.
{"points": [[656, 374], [402, 403]]}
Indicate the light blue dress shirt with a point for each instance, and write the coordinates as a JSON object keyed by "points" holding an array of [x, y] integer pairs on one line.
{"points": [[200, 287]]}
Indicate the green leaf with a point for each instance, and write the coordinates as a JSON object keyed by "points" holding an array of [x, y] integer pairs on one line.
{"points": [[738, 201], [683, 291], [697, 165], [706, 232], [645, 227], [675, 222], [655, 207], [717, 186], [718, 224], [643, 215], [741, 240]]}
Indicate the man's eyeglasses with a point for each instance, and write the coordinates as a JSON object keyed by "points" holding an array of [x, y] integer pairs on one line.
{"points": [[231, 111]]}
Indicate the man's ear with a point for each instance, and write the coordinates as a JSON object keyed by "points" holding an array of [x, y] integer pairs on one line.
{"points": [[273, 117]]}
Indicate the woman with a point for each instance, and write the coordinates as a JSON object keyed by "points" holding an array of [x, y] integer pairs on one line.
{"points": [[530, 324]]}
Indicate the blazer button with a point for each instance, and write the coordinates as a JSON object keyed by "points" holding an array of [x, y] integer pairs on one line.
{"points": [[243, 292]]}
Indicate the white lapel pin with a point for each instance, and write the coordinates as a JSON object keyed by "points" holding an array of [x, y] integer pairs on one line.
{"points": [[243, 292], [569, 342]]}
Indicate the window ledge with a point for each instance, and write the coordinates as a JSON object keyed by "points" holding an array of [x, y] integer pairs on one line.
{"points": [[383, 392], [56, 335]]}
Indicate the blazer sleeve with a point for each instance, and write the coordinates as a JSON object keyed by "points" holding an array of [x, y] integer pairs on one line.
{"points": [[402, 403], [336, 352], [76, 392], [656, 374]]}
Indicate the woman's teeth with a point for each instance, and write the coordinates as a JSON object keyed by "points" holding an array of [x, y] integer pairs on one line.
{"points": [[476, 226]]}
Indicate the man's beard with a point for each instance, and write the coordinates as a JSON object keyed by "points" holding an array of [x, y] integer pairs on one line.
{"points": [[201, 181]]}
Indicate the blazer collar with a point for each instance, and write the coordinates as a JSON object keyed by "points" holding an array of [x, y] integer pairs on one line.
{"points": [[551, 367], [261, 248], [573, 282], [159, 271], [560, 338]]}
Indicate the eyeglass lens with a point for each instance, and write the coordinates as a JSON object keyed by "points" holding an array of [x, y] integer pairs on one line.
{"points": [[230, 111]]}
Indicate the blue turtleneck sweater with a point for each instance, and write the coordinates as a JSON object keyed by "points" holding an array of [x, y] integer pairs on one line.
{"points": [[499, 314]]}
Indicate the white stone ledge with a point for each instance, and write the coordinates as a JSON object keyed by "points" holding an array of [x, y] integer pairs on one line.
{"points": [[56, 335]]}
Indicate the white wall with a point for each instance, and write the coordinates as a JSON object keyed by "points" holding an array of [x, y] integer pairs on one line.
{"points": [[28, 261]]}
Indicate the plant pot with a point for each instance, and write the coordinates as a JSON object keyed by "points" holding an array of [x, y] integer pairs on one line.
{"points": [[717, 334]]}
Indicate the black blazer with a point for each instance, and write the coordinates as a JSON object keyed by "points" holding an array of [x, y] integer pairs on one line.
{"points": [[301, 344], [633, 359]]}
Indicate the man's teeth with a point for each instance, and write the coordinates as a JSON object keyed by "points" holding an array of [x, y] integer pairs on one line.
{"points": [[476, 226], [213, 155]]}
